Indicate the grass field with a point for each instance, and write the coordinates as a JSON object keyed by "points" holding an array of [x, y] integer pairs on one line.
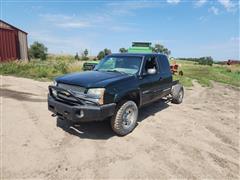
{"points": [[204, 74], [42, 70], [59, 65]]}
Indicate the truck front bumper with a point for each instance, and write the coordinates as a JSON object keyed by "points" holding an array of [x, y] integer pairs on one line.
{"points": [[80, 113]]}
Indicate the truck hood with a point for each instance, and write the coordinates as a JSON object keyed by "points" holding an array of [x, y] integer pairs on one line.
{"points": [[92, 78]]}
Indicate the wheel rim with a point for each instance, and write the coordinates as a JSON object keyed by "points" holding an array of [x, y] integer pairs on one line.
{"points": [[180, 96], [129, 117]]}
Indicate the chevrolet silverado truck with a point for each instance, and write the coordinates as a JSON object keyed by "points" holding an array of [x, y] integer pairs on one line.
{"points": [[117, 87]]}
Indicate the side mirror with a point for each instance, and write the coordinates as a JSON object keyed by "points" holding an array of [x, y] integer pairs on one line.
{"points": [[151, 71]]}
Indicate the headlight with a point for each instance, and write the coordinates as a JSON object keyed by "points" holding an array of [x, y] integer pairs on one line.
{"points": [[54, 93], [98, 93], [55, 83]]}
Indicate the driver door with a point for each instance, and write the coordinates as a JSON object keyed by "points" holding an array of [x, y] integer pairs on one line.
{"points": [[149, 82]]}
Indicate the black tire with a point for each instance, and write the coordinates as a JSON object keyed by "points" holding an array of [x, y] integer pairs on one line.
{"points": [[125, 118], [177, 94]]}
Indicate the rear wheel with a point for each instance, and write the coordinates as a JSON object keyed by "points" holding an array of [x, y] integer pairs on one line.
{"points": [[177, 94], [125, 118]]}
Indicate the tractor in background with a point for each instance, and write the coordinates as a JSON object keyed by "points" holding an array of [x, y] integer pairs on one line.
{"points": [[175, 68]]}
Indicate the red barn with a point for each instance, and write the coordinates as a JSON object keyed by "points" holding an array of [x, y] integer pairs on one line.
{"points": [[13, 43]]}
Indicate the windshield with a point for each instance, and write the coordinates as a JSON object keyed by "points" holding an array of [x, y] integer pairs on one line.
{"points": [[121, 64]]}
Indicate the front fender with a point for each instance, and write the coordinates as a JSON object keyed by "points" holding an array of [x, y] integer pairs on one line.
{"points": [[133, 94]]}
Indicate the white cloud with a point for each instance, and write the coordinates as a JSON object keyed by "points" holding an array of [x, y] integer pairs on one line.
{"points": [[65, 21], [133, 4], [74, 24], [55, 17], [200, 3], [57, 43], [173, 1], [108, 15], [228, 4], [123, 29], [203, 18], [127, 7], [214, 10]]}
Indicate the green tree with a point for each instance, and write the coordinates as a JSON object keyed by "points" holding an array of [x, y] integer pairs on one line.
{"points": [[158, 48], [122, 50], [85, 52], [107, 51], [38, 50], [101, 55], [76, 56], [206, 61], [104, 53], [84, 55]]}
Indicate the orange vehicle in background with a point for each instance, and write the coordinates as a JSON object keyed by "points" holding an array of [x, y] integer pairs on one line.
{"points": [[175, 68]]}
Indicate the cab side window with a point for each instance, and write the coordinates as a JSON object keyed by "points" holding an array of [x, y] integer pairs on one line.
{"points": [[164, 64], [150, 63]]}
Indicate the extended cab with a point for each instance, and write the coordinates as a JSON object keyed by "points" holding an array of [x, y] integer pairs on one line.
{"points": [[118, 86]]}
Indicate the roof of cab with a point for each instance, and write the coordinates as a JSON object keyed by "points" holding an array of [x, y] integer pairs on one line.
{"points": [[135, 54]]}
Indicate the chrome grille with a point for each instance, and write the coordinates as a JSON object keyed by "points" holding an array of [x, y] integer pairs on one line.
{"points": [[63, 97], [72, 87]]}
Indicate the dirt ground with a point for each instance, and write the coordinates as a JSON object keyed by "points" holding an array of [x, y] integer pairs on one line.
{"points": [[197, 139]]}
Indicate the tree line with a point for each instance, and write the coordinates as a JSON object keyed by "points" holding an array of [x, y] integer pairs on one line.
{"points": [[39, 51], [207, 60]]}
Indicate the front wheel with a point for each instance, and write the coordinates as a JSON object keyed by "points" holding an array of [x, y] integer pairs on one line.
{"points": [[125, 118]]}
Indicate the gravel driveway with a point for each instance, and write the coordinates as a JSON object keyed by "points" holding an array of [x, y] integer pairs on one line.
{"points": [[197, 139]]}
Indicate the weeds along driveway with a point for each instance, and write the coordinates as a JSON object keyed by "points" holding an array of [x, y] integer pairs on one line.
{"points": [[197, 139]]}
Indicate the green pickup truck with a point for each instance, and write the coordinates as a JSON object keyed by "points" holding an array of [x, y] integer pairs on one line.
{"points": [[90, 65]]}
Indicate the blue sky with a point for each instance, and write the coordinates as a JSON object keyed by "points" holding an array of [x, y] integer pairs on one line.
{"points": [[188, 28]]}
